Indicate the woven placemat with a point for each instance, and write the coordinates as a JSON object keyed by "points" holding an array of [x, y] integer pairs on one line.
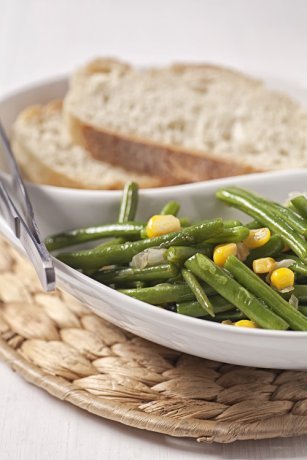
{"points": [[57, 344]]}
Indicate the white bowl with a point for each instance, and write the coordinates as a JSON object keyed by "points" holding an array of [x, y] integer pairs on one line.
{"points": [[58, 209]]}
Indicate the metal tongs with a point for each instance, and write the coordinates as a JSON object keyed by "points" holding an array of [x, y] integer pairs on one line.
{"points": [[19, 215]]}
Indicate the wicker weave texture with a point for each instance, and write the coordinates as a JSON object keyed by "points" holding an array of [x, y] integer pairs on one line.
{"points": [[57, 344]]}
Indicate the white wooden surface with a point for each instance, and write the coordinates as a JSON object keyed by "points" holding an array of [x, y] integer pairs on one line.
{"points": [[39, 38]]}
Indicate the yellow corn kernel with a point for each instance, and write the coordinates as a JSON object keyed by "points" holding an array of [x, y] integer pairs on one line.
{"points": [[257, 238], [222, 252], [245, 323], [160, 225], [264, 265], [282, 278]]}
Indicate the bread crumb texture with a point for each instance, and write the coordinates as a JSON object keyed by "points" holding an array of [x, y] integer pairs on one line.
{"points": [[46, 154], [200, 108]]}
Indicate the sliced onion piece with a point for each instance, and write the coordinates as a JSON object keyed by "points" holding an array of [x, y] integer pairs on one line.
{"points": [[148, 258], [294, 301], [285, 263], [242, 251], [287, 289]]}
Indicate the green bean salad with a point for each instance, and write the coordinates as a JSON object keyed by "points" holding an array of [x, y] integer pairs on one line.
{"points": [[246, 275]]}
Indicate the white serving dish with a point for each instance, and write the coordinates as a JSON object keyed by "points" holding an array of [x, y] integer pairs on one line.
{"points": [[59, 208]]}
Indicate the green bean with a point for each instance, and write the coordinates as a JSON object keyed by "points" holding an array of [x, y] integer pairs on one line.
{"points": [[259, 288], [250, 204], [300, 291], [293, 218], [170, 208], [286, 255], [129, 203], [82, 235], [198, 291], [230, 223], [299, 267], [122, 275], [300, 204], [193, 308], [105, 244], [179, 254], [177, 279], [289, 205], [122, 253], [235, 315], [185, 222], [303, 309], [230, 235], [231, 290], [131, 285], [161, 293], [166, 293], [271, 249], [112, 242], [143, 234], [253, 224]]}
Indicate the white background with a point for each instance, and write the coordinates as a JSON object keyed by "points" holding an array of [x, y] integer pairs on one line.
{"points": [[40, 38]]}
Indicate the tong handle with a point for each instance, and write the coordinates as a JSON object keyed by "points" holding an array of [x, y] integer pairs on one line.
{"points": [[18, 184], [10, 213], [25, 228]]}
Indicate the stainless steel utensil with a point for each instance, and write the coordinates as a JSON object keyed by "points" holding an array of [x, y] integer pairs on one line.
{"points": [[18, 212]]}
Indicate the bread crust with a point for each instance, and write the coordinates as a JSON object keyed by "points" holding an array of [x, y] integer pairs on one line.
{"points": [[172, 164], [36, 170]]}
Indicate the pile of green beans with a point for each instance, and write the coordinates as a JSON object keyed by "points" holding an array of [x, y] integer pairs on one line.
{"points": [[176, 271], [276, 217]]}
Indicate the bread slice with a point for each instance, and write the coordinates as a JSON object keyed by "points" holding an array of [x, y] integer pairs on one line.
{"points": [[184, 122], [46, 155]]}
